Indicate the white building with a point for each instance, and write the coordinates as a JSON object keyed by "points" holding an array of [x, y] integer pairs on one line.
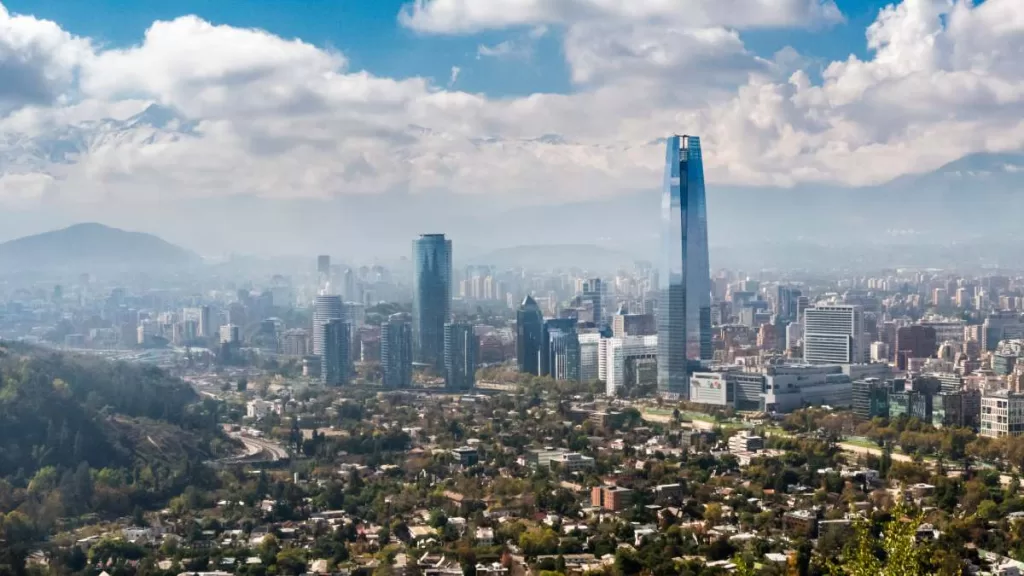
{"points": [[574, 462], [794, 333], [709, 388], [879, 352], [590, 356], [627, 362], [1002, 414], [834, 334], [259, 409]]}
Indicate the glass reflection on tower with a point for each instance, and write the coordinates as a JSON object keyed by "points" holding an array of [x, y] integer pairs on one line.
{"points": [[684, 280]]}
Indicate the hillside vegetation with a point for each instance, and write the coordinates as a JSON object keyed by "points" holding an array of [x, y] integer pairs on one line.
{"points": [[84, 435]]}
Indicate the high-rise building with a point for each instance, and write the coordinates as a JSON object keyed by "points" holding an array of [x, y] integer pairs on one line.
{"points": [[432, 297], [835, 335], [592, 292], [396, 351], [529, 336], [628, 363], [205, 322], [786, 302], [551, 325], [295, 342], [590, 355], [684, 303], [326, 307], [564, 355], [626, 324], [336, 341], [461, 347], [323, 266], [914, 342], [229, 334]]}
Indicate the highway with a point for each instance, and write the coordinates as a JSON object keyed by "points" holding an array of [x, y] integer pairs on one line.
{"points": [[257, 450]]}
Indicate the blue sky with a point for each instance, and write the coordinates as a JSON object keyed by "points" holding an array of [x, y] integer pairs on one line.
{"points": [[368, 33]]}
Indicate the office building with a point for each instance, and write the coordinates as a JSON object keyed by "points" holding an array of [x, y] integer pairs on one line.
{"points": [[229, 334], [529, 336], [626, 324], [565, 325], [788, 387], [590, 356], [629, 363], [684, 304], [1004, 325], [396, 352], [326, 307], [1002, 414], [295, 342], [711, 388], [871, 398], [432, 298], [835, 335], [911, 404], [914, 342], [461, 348], [592, 294], [336, 343], [786, 303], [564, 351], [205, 322]]}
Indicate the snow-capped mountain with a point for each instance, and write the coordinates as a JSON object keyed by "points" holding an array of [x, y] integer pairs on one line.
{"points": [[62, 146]]}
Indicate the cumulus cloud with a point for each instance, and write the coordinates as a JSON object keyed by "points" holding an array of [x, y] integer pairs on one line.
{"points": [[37, 60], [244, 112]]}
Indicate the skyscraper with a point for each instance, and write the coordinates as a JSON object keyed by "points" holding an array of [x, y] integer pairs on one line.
{"points": [[323, 265], [432, 297], [461, 347], [335, 364], [396, 351], [529, 334], [592, 290], [564, 355], [684, 304], [326, 307], [552, 325]]}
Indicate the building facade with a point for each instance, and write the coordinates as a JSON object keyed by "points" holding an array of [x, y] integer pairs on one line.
{"points": [[432, 297], [335, 356], [1002, 414], [461, 347], [835, 335], [529, 336], [396, 352], [684, 303], [326, 307]]}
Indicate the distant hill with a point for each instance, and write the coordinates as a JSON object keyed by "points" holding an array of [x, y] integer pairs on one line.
{"points": [[90, 246]]}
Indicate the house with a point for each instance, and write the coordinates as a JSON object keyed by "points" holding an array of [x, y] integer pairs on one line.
{"points": [[492, 569], [484, 537]]}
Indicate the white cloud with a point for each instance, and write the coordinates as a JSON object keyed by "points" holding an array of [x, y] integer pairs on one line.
{"points": [[37, 60], [467, 16], [265, 116]]}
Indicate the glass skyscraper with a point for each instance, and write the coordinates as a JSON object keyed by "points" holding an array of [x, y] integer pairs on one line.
{"points": [[461, 348], [684, 280], [432, 297], [529, 336]]}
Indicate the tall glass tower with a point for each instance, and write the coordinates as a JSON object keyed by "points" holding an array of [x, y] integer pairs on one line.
{"points": [[684, 281], [431, 297]]}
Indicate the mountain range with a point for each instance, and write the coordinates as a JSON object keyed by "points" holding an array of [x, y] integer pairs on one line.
{"points": [[973, 201]]}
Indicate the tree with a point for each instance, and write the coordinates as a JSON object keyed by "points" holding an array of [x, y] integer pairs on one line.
{"points": [[242, 385], [903, 556]]}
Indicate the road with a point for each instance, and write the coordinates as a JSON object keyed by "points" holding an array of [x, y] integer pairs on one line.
{"points": [[256, 450]]}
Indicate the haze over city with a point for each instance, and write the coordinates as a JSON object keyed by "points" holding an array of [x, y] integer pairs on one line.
{"points": [[511, 288], [284, 130]]}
